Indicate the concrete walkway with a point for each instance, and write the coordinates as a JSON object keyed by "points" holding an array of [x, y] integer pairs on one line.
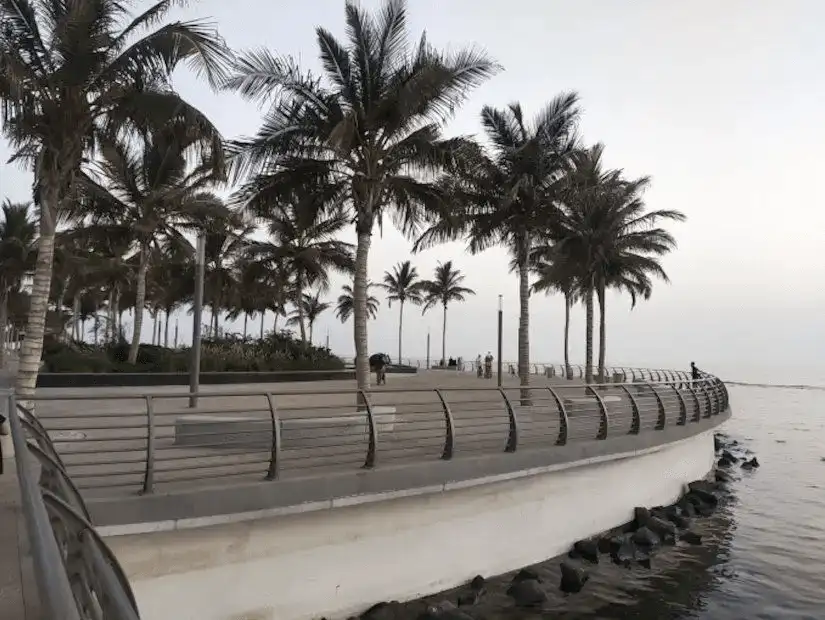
{"points": [[13, 545]]}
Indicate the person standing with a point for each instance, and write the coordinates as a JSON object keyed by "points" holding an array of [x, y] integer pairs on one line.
{"points": [[695, 373], [488, 366]]}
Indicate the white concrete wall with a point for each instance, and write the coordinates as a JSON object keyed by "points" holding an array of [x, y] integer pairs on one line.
{"points": [[335, 563]]}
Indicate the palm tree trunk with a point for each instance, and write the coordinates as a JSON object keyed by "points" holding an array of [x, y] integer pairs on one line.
{"points": [[32, 349], [299, 306], [311, 326], [263, 316], [140, 302], [111, 327], [359, 300], [444, 338], [400, 329], [76, 317], [567, 336], [166, 328], [524, 320], [245, 322], [602, 332], [216, 315], [4, 319], [588, 342]]}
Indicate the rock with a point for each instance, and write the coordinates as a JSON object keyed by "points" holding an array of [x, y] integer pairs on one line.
{"points": [[691, 538], [752, 464], [640, 516], [527, 593], [722, 476], [605, 544], [665, 530], [726, 454], [687, 507], [526, 574], [573, 578], [701, 496], [645, 537], [623, 551], [723, 462], [383, 611], [477, 589], [718, 444], [444, 610], [586, 549]]}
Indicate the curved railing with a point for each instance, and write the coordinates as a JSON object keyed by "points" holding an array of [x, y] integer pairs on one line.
{"points": [[116, 444], [78, 577]]}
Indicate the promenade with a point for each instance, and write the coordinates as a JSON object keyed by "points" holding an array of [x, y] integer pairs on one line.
{"points": [[104, 442]]}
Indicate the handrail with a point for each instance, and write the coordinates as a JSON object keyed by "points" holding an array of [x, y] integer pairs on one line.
{"points": [[77, 576]]}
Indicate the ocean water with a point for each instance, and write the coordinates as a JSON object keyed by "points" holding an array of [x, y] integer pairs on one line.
{"points": [[763, 551]]}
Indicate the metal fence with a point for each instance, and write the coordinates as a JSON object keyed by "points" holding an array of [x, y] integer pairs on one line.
{"points": [[121, 444], [78, 577]]}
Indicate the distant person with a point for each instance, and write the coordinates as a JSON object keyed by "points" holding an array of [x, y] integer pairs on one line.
{"points": [[488, 366], [695, 373], [479, 367], [378, 364]]}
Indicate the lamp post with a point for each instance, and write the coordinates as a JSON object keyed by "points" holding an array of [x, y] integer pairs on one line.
{"points": [[195, 362], [428, 349], [500, 324]]}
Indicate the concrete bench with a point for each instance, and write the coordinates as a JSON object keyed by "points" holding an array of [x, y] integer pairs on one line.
{"points": [[220, 431]]}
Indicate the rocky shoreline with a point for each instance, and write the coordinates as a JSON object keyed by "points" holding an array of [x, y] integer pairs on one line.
{"points": [[634, 544]]}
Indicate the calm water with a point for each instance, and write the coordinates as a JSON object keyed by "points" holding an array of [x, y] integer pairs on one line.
{"points": [[763, 553]]}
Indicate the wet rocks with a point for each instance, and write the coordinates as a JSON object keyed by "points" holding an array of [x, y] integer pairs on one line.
{"points": [[692, 538], [475, 590], [752, 464], [585, 549], [444, 610], [526, 592], [645, 537], [392, 610], [573, 578], [723, 477]]}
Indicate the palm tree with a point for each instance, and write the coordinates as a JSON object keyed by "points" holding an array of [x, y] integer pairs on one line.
{"points": [[608, 239], [509, 196], [445, 287], [311, 308], [303, 244], [18, 237], [362, 133], [555, 277], [148, 193], [346, 303], [69, 71], [402, 285]]}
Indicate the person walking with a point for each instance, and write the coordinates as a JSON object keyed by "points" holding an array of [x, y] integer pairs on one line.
{"points": [[695, 373], [488, 366], [479, 367]]}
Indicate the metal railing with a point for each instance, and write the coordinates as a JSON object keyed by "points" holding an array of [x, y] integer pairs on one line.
{"points": [[78, 577], [114, 444]]}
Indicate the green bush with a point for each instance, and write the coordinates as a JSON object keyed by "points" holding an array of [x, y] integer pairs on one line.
{"points": [[278, 352]]}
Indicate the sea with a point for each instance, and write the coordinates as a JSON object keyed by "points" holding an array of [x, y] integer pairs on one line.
{"points": [[763, 551]]}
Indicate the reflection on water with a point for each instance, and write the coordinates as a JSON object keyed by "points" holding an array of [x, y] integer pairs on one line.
{"points": [[763, 551]]}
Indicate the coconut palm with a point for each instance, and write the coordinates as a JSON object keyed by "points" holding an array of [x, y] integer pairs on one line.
{"points": [[18, 237], [70, 70], [508, 196], [303, 244], [147, 190], [609, 239], [363, 132], [555, 277], [311, 308], [346, 303], [444, 288], [402, 285]]}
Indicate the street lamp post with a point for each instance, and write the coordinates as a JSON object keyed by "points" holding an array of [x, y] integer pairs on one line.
{"points": [[428, 350], [195, 362], [500, 324]]}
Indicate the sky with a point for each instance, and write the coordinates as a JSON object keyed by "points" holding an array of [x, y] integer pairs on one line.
{"points": [[719, 102]]}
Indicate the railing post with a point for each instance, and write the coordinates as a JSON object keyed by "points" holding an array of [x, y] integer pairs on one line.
{"points": [[604, 422], [636, 424], [275, 450], [707, 398], [698, 415], [660, 423], [564, 422], [717, 405], [372, 451], [512, 438], [149, 474], [449, 428], [682, 406]]}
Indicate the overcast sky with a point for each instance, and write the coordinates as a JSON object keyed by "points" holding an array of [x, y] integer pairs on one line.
{"points": [[720, 102]]}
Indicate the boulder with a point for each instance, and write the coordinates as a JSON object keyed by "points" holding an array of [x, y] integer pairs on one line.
{"points": [[718, 444], [665, 530], [723, 462], [645, 537], [384, 611], [640, 516], [722, 476], [727, 454], [586, 549], [475, 590], [752, 464], [444, 610], [526, 574], [691, 538], [701, 496], [527, 593], [573, 578]]}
